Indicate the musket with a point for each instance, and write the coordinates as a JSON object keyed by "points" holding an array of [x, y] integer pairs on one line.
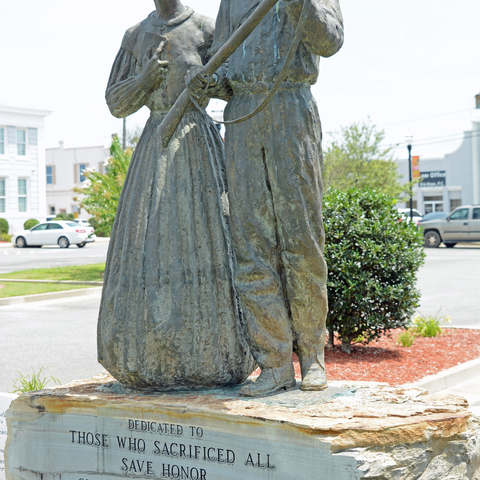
{"points": [[174, 116]]}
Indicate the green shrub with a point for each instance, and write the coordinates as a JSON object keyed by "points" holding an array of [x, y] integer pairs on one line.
{"points": [[372, 260], [5, 237], [406, 338], [30, 223], [428, 325], [3, 226], [33, 382], [65, 217], [102, 229]]}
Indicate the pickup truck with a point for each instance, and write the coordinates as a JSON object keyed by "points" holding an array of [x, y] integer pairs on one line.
{"points": [[462, 225]]}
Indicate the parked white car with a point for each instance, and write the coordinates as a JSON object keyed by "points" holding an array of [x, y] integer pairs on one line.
{"points": [[88, 227], [60, 233], [416, 215]]}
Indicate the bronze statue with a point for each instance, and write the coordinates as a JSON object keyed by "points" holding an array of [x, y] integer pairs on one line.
{"points": [[274, 163], [168, 317]]}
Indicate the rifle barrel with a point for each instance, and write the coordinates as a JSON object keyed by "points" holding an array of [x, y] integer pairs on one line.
{"points": [[173, 118]]}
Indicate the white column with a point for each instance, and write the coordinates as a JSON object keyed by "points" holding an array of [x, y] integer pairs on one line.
{"points": [[476, 162]]}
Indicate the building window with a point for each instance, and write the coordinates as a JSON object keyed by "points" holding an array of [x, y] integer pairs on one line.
{"points": [[2, 195], [433, 203], [455, 203], [21, 142], [82, 168], [22, 195], [49, 175], [52, 210], [2, 141]]}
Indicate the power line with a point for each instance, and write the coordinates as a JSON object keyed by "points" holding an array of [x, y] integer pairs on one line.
{"points": [[425, 118], [465, 137]]}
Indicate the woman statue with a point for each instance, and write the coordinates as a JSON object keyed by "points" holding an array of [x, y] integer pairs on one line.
{"points": [[169, 317]]}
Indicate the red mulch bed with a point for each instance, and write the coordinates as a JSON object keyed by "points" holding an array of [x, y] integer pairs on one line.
{"points": [[385, 361]]}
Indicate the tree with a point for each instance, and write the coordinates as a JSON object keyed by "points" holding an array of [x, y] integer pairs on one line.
{"points": [[355, 159], [102, 191], [372, 259]]}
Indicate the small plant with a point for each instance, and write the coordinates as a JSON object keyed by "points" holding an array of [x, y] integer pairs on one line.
{"points": [[5, 237], [406, 338], [30, 223], [429, 325], [30, 383]]}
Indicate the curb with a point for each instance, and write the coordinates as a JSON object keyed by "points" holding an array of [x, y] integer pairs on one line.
{"points": [[449, 378], [57, 282], [49, 296]]}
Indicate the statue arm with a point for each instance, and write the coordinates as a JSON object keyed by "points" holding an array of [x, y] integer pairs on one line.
{"points": [[323, 33], [125, 93]]}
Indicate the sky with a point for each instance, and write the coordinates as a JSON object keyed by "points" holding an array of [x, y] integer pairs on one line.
{"points": [[412, 67]]}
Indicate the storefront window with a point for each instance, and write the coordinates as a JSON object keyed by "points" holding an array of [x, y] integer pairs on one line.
{"points": [[433, 203]]}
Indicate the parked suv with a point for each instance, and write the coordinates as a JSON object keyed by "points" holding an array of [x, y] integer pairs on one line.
{"points": [[462, 225]]}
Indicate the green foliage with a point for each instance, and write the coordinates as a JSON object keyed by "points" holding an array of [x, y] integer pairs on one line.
{"points": [[65, 217], [30, 223], [406, 338], [3, 226], [101, 230], [372, 260], [102, 192], [30, 383], [355, 159], [5, 237], [429, 325]]}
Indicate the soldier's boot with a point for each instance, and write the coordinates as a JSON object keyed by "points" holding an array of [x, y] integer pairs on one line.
{"points": [[271, 380]]}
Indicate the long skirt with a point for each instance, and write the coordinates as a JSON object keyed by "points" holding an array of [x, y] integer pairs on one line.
{"points": [[169, 317]]}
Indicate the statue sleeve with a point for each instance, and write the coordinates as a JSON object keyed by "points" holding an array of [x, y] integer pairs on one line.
{"points": [[125, 94], [323, 32]]}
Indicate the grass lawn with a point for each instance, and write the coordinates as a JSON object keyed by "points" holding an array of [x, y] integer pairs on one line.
{"points": [[17, 289], [88, 273]]}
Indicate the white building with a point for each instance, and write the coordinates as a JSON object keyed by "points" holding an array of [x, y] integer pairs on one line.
{"points": [[64, 171], [22, 165], [450, 181]]}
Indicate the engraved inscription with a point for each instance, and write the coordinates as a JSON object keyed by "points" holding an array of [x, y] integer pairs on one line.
{"points": [[147, 456]]}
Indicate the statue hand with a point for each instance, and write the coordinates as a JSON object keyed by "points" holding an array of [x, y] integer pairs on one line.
{"points": [[154, 69], [196, 82]]}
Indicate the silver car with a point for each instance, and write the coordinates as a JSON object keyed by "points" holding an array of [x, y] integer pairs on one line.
{"points": [[462, 225]]}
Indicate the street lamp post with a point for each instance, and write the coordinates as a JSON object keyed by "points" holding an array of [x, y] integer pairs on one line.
{"points": [[409, 139]]}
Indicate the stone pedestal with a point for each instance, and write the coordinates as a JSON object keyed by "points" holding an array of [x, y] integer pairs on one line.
{"points": [[99, 430]]}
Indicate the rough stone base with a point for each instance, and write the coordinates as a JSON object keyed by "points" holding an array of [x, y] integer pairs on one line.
{"points": [[98, 429]]}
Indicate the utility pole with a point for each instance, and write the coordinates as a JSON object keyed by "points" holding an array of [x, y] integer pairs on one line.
{"points": [[124, 143], [409, 139]]}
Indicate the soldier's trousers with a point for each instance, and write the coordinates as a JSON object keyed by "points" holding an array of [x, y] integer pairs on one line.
{"points": [[275, 189]]}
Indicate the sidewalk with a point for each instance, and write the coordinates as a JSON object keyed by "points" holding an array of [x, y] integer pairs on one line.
{"points": [[469, 390]]}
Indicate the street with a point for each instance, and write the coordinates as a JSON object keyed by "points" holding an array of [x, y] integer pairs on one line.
{"points": [[61, 334], [13, 259], [449, 283], [57, 334]]}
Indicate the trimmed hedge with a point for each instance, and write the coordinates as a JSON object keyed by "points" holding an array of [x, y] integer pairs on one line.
{"points": [[3, 226], [30, 223]]}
